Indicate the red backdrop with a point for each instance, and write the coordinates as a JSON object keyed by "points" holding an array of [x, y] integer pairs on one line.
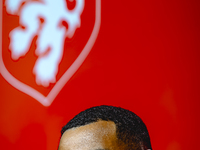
{"points": [[145, 59]]}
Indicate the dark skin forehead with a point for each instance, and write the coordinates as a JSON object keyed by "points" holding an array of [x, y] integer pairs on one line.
{"points": [[100, 135]]}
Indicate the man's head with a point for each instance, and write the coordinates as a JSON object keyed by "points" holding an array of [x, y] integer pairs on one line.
{"points": [[105, 128]]}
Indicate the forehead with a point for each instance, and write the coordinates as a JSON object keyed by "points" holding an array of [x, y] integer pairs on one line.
{"points": [[99, 135]]}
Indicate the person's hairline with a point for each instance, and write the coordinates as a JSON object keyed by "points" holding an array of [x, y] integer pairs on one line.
{"points": [[73, 128]]}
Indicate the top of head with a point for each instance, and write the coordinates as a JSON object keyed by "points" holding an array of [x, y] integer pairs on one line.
{"points": [[129, 128]]}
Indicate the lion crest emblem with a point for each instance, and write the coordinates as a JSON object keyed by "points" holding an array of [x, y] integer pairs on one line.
{"points": [[52, 22]]}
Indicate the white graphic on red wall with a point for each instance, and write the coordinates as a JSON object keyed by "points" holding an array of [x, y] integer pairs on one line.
{"points": [[50, 37], [51, 21]]}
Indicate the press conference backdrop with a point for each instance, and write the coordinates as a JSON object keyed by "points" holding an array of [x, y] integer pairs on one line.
{"points": [[60, 57]]}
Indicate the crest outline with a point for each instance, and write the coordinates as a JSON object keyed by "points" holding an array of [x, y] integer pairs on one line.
{"points": [[47, 100]]}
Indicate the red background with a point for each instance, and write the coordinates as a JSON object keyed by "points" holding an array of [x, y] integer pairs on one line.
{"points": [[145, 59]]}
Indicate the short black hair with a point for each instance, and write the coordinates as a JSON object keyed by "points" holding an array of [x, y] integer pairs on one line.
{"points": [[130, 129]]}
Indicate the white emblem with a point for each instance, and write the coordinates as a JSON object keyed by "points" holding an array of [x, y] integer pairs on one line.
{"points": [[50, 41], [51, 36]]}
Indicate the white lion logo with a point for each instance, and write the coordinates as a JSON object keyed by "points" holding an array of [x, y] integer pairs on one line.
{"points": [[51, 35]]}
